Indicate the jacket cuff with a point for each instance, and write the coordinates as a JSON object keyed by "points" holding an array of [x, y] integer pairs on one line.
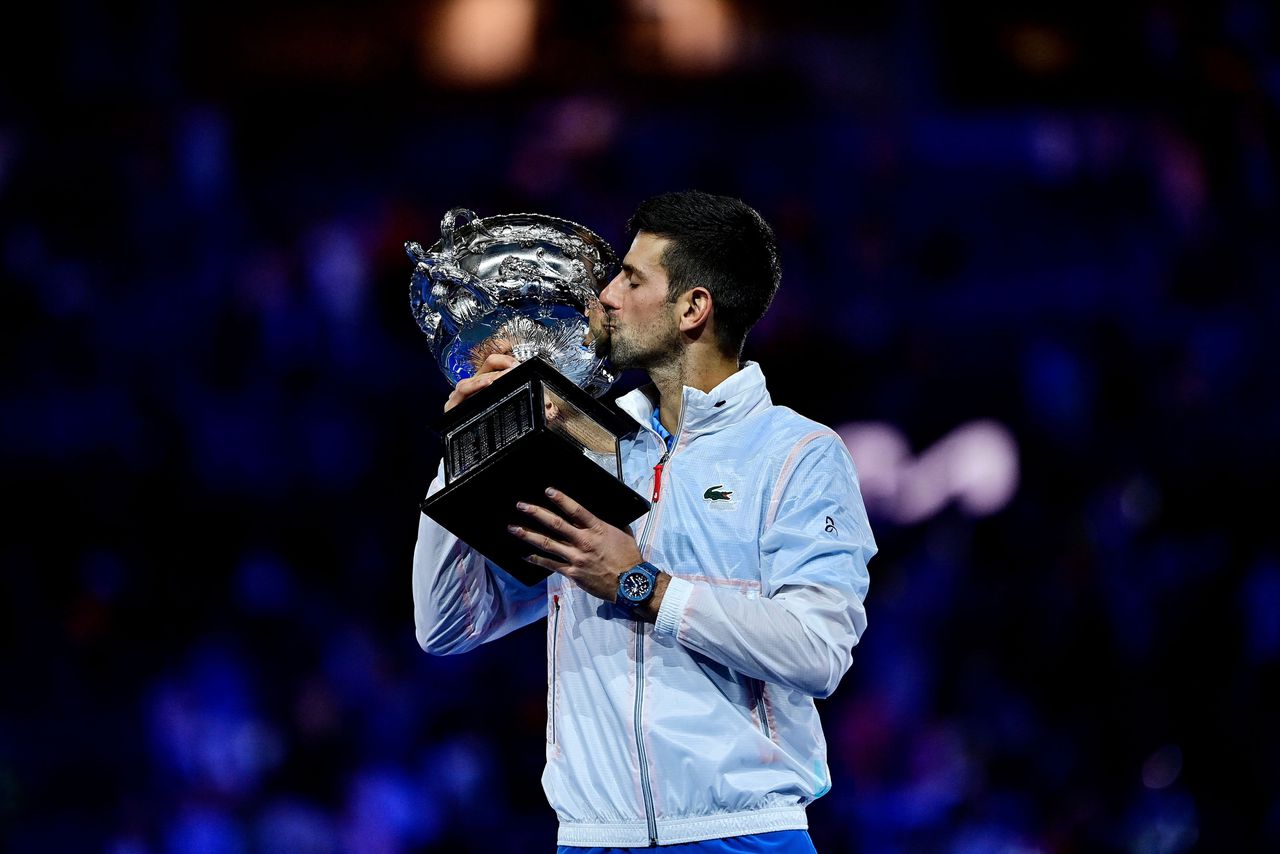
{"points": [[671, 612]]}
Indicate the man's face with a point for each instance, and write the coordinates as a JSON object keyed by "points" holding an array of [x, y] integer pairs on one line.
{"points": [[638, 326]]}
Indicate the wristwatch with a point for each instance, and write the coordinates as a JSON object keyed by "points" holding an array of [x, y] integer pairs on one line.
{"points": [[635, 586]]}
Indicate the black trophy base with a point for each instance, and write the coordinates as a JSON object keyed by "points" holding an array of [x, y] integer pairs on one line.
{"points": [[477, 505]]}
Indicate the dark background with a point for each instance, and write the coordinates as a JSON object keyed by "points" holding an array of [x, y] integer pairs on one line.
{"points": [[1056, 221]]}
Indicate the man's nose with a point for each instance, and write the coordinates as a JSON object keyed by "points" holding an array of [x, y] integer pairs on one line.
{"points": [[607, 295]]}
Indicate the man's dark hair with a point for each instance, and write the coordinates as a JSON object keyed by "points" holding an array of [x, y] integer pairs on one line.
{"points": [[721, 244]]}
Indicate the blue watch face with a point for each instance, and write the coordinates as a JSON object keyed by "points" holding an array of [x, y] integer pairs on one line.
{"points": [[636, 585]]}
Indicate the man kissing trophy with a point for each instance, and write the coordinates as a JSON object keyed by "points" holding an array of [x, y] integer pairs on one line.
{"points": [[521, 285]]}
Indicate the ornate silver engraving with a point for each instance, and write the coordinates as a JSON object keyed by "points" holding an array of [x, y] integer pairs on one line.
{"points": [[522, 283]]}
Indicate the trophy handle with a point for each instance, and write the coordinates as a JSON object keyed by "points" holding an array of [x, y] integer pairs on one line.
{"points": [[420, 287], [447, 225], [457, 296], [450, 223], [445, 297]]}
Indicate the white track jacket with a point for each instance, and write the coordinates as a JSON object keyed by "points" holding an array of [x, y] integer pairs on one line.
{"points": [[702, 725]]}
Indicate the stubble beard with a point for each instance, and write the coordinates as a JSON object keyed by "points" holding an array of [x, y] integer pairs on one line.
{"points": [[625, 353]]}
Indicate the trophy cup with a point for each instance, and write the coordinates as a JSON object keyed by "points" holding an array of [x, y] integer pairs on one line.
{"points": [[521, 284]]}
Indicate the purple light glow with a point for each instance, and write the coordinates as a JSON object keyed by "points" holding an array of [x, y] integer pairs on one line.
{"points": [[975, 465]]}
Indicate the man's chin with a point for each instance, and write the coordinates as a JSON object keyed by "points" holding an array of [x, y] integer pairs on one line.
{"points": [[618, 360]]}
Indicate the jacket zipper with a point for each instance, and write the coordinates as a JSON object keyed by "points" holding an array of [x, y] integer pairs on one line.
{"points": [[649, 816], [657, 477], [555, 640], [649, 813]]}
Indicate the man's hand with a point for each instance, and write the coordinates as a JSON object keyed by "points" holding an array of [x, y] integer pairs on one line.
{"points": [[590, 551], [495, 365]]}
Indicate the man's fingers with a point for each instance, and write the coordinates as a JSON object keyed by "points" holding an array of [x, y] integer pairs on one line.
{"points": [[489, 371], [471, 385], [497, 362], [546, 563], [572, 510], [494, 366], [563, 528], [541, 542]]}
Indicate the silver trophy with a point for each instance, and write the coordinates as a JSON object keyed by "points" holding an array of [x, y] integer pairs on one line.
{"points": [[521, 284]]}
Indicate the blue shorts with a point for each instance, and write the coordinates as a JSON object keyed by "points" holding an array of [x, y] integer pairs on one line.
{"points": [[777, 842]]}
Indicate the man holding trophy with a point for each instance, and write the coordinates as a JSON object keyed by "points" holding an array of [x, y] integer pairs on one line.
{"points": [[702, 574]]}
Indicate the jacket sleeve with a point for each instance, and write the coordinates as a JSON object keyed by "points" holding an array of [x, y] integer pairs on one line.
{"points": [[800, 630], [460, 599]]}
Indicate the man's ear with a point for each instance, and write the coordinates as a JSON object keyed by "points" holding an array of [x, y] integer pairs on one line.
{"points": [[695, 309]]}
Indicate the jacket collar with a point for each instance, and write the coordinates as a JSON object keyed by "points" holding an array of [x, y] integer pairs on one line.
{"points": [[737, 397]]}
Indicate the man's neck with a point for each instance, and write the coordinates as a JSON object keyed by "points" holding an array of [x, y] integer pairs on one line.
{"points": [[703, 374]]}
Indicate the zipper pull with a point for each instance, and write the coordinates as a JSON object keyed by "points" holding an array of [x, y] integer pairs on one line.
{"points": [[555, 600], [657, 477]]}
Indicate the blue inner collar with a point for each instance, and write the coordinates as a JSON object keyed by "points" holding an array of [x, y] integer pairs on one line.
{"points": [[662, 431]]}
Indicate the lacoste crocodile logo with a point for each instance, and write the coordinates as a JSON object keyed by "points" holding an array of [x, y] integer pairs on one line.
{"points": [[717, 493]]}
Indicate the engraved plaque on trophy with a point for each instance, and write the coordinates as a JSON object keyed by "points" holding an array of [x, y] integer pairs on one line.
{"points": [[521, 284]]}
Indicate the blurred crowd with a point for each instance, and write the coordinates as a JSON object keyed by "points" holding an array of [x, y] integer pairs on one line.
{"points": [[217, 407]]}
